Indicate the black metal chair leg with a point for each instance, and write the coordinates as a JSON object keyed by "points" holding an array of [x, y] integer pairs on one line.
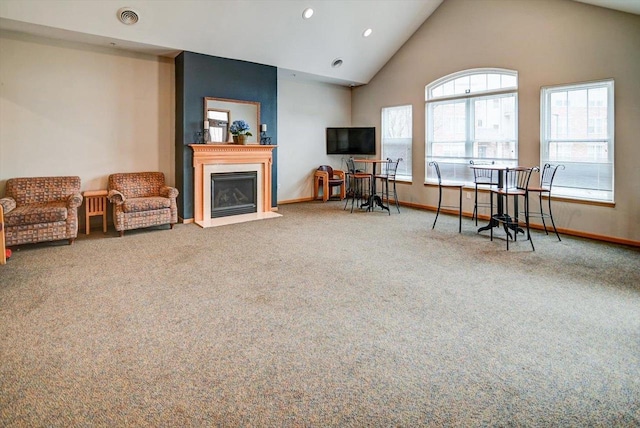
{"points": [[460, 213], [395, 196], [553, 223], [526, 217], [491, 216], [542, 213], [438, 211], [355, 193], [516, 218], [475, 207], [386, 184], [507, 219]]}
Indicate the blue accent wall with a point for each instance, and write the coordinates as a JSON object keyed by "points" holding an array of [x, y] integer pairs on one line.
{"points": [[199, 76]]}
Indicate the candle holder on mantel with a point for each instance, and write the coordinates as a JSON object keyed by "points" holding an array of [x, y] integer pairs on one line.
{"points": [[264, 140], [199, 137], [205, 132]]}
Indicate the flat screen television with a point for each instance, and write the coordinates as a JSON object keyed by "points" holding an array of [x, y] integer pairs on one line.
{"points": [[351, 141]]}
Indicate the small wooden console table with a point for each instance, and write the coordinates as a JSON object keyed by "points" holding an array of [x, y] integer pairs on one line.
{"points": [[95, 204]]}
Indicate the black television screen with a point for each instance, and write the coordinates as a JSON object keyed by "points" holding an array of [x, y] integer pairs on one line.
{"points": [[351, 141]]}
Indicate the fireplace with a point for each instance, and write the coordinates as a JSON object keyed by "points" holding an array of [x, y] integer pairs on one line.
{"points": [[234, 193], [213, 161]]}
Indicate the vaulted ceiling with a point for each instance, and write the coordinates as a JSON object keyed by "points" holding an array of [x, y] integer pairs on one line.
{"points": [[271, 32]]}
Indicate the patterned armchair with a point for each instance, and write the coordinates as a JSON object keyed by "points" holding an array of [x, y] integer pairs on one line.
{"points": [[40, 209], [142, 199]]}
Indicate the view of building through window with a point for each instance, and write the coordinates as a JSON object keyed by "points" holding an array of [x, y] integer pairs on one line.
{"points": [[471, 115], [397, 137], [577, 131]]}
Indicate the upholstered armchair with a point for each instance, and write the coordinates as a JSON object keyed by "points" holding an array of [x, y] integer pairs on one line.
{"points": [[40, 209], [142, 199]]}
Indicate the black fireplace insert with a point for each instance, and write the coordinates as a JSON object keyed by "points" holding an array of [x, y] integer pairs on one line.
{"points": [[234, 193]]}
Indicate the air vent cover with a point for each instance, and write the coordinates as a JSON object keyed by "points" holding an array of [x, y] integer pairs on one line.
{"points": [[128, 16]]}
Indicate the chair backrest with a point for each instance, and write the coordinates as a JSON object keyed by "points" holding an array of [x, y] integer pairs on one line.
{"points": [[326, 168], [390, 168], [137, 184], [28, 190], [548, 174], [484, 176], [518, 178], [436, 167], [351, 166]]}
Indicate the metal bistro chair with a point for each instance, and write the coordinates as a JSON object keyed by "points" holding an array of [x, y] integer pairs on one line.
{"points": [[516, 184], [387, 174], [445, 185], [483, 179], [359, 185], [544, 189]]}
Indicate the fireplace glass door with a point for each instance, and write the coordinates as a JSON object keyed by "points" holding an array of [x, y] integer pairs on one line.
{"points": [[234, 193]]}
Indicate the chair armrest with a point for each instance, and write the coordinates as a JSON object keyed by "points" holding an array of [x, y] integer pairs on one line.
{"points": [[74, 201], [169, 192], [322, 174], [116, 197], [339, 173], [8, 204]]}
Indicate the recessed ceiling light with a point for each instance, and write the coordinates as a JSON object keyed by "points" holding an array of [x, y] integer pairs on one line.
{"points": [[336, 63], [307, 13], [367, 32]]}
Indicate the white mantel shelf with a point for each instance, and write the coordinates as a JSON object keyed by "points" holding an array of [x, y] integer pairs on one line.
{"points": [[207, 155]]}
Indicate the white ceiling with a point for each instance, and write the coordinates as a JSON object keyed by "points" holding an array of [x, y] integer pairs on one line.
{"points": [[270, 32], [631, 6]]}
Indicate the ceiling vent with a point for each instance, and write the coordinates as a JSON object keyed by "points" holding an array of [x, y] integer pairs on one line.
{"points": [[128, 16]]}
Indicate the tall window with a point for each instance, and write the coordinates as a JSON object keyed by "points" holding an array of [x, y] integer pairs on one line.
{"points": [[471, 115], [577, 124], [397, 138]]}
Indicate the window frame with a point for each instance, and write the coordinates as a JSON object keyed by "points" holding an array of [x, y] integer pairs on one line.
{"points": [[406, 163], [469, 97], [565, 192]]}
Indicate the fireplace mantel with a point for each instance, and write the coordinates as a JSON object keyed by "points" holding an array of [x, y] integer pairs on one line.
{"points": [[207, 156]]}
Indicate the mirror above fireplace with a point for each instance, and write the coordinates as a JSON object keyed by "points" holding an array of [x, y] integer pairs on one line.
{"points": [[221, 112]]}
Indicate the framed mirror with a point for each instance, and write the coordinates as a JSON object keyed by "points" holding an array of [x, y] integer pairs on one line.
{"points": [[221, 112]]}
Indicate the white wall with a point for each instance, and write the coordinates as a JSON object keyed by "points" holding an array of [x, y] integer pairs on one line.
{"points": [[548, 42], [305, 110], [74, 109]]}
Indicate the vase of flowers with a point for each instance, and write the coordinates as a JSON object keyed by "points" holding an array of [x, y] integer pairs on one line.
{"points": [[240, 131]]}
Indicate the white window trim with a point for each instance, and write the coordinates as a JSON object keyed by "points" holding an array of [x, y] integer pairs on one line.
{"points": [[467, 98], [545, 97], [399, 176], [469, 72]]}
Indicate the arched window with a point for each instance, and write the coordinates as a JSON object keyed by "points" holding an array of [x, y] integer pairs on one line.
{"points": [[471, 115]]}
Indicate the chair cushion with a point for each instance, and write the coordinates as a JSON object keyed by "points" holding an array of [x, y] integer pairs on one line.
{"points": [[132, 205], [36, 213], [137, 184], [40, 190]]}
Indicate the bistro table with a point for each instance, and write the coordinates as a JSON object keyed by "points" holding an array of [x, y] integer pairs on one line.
{"points": [[500, 215], [373, 198]]}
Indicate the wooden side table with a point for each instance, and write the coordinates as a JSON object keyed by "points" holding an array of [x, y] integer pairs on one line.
{"points": [[95, 204]]}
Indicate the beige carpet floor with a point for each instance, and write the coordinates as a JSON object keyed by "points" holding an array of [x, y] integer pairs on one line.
{"points": [[320, 318]]}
